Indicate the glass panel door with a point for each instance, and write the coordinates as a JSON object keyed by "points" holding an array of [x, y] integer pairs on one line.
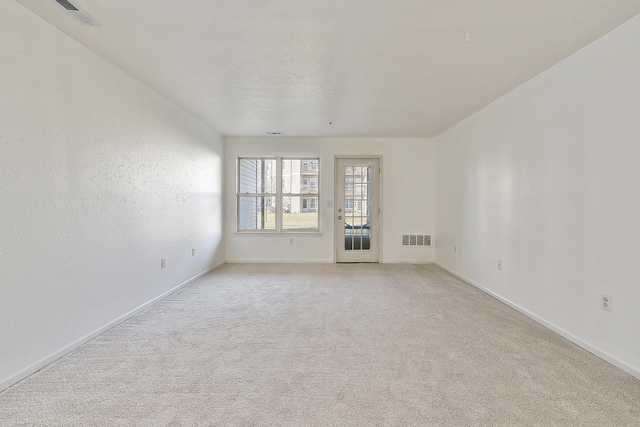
{"points": [[357, 210]]}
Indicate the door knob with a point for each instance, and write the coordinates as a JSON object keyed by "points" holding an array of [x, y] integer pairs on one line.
{"points": [[339, 210], [339, 216]]}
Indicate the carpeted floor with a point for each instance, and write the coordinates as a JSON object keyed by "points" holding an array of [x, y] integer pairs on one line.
{"points": [[327, 345]]}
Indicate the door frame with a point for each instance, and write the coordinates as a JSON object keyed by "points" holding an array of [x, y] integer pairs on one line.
{"points": [[335, 198]]}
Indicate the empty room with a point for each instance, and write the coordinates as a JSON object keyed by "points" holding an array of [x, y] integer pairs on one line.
{"points": [[321, 213]]}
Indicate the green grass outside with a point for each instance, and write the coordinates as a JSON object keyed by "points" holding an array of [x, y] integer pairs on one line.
{"points": [[293, 221]]}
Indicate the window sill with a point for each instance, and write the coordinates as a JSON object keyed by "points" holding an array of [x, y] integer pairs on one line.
{"points": [[279, 234]]}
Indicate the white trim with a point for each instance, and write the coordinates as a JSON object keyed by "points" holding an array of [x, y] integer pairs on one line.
{"points": [[404, 261], [287, 233], [47, 360], [278, 261], [591, 349]]}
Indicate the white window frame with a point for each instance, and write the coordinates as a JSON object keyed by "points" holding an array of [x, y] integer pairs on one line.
{"points": [[279, 196]]}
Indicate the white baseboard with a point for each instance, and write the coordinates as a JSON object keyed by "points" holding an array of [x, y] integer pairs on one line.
{"points": [[278, 261], [46, 361], [402, 261], [591, 349], [312, 261]]}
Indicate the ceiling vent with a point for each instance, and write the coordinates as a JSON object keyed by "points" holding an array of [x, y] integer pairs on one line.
{"points": [[416, 240], [78, 13]]}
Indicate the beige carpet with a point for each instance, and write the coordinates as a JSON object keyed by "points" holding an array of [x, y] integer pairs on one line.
{"points": [[327, 345]]}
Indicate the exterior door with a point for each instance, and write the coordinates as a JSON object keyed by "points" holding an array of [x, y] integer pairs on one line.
{"points": [[357, 210]]}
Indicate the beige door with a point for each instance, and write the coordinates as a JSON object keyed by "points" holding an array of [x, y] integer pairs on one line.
{"points": [[357, 210]]}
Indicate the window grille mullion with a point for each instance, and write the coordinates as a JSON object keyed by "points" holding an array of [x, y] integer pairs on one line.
{"points": [[279, 209]]}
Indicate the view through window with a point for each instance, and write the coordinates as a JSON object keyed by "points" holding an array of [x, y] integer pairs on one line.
{"points": [[265, 206]]}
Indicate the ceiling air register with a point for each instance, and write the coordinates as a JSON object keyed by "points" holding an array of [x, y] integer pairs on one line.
{"points": [[78, 13]]}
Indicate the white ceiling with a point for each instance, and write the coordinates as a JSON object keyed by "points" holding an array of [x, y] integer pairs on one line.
{"points": [[374, 68]]}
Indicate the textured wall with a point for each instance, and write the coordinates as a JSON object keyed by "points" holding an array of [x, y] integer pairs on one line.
{"points": [[547, 180], [99, 179], [407, 196]]}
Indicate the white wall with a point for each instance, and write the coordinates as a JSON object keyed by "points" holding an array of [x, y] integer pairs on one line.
{"points": [[407, 197], [100, 178], [547, 179]]}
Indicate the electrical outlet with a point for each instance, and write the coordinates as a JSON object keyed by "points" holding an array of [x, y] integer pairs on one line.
{"points": [[291, 241], [499, 265], [606, 303], [162, 263], [455, 249], [193, 252]]}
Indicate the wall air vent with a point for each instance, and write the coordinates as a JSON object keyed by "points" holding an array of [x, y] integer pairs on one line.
{"points": [[416, 240], [77, 12]]}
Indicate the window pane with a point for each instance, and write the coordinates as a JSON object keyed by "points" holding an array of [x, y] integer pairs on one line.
{"points": [[313, 186], [257, 213], [299, 176], [257, 176], [299, 213], [290, 176], [357, 173]]}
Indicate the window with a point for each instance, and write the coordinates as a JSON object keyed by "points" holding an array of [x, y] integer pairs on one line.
{"points": [[264, 206]]}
